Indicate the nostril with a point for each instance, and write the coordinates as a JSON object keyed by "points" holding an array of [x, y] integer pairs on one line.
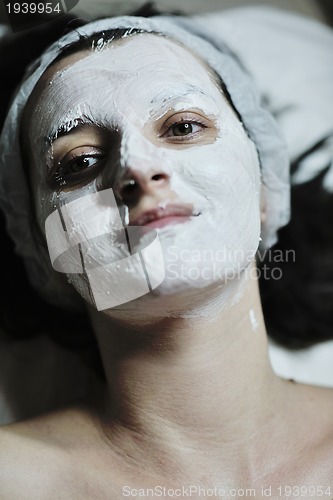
{"points": [[130, 186], [128, 190], [158, 177]]}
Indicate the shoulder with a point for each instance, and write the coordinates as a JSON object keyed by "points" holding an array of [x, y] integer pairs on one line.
{"points": [[314, 421], [36, 456], [28, 466]]}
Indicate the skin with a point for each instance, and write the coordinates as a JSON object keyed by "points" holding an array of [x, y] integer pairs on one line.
{"points": [[188, 400]]}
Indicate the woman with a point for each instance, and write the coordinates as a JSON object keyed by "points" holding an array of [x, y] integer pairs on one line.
{"points": [[132, 124]]}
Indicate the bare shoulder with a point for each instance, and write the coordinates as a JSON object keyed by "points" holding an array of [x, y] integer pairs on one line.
{"points": [[314, 420], [319, 402], [22, 460], [36, 456]]}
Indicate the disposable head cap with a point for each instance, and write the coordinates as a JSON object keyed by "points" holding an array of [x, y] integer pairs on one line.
{"points": [[15, 197]]}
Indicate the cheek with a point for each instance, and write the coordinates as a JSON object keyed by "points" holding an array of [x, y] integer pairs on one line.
{"points": [[45, 200], [42, 197], [222, 178]]}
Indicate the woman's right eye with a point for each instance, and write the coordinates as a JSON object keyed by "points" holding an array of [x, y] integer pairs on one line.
{"points": [[78, 166], [81, 163]]}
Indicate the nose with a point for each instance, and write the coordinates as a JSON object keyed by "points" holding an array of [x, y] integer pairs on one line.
{"points": [[137, 184]]}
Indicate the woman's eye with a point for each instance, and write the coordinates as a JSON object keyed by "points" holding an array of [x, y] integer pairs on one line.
{"points": [[82, 163], [73, 170], [184, 128]]}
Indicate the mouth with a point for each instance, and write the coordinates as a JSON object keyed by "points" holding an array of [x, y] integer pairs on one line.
{"points": [[160, 217]]}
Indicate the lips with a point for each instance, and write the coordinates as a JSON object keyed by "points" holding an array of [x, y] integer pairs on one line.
{"points": [[159, 217]]}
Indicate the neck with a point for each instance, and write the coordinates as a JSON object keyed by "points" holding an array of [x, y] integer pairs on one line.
{"points": [[188, 385]]}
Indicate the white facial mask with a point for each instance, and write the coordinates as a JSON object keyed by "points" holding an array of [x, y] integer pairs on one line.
{"points": [[129, 87]]}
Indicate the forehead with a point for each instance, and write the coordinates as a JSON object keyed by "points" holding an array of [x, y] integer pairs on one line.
{"points": [[138, 52], [143, 69], [131, 82]]}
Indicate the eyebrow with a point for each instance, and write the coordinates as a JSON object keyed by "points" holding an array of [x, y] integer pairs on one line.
{"points": [[68, 127], [185, 91]]}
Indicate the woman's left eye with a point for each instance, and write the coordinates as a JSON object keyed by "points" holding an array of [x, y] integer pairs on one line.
{"points": [[184, 128]]}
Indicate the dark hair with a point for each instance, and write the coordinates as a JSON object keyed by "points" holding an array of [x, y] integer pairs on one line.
{"points": [[297, 307]]}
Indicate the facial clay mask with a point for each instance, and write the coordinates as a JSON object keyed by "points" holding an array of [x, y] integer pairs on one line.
{"points": [[127, 112]]}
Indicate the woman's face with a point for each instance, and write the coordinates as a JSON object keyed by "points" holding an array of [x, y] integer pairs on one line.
{"points": [[147, 118]]}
